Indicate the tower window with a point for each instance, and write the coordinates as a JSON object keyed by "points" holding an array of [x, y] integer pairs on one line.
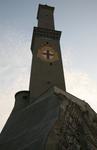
{"points": [[48, 82], [51, 64]]}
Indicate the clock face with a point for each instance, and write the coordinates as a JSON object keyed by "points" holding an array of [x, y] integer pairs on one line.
{"points": [[47, 53]]}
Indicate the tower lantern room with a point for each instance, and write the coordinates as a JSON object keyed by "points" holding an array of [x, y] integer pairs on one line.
{"points": [[45, 17]]}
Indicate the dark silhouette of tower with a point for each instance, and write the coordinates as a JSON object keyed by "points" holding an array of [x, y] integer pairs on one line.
{"points": [[46, 70]]}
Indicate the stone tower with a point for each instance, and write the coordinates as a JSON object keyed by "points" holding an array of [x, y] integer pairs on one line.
{"points": [[56, 120], [46, 70]]}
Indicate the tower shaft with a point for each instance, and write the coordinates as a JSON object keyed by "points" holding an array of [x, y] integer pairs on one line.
{"points": [[47, 69]]}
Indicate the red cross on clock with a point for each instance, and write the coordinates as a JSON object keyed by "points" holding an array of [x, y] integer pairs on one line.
{"points": [[48, 54]]}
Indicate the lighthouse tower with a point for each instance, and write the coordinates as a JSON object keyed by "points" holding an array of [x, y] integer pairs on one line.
{"points": [[47, 69]]}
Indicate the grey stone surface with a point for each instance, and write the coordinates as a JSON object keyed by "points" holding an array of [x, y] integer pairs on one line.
{"points": [[55, 121], [76, 127], [28, 128]]}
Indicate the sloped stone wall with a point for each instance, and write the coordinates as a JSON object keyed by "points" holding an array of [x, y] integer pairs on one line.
{"points": [[76, 128]]}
